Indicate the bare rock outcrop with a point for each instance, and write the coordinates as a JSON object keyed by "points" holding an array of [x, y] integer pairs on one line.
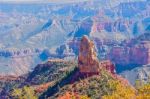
{"points": [[87, 59], [138, 54]]}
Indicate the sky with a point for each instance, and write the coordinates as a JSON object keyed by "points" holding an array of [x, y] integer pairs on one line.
{"points": [[57, 1], [42, 1]]}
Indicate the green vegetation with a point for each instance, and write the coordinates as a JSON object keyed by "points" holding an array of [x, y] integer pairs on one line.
{"points": [[102, 86], [7, 86], [144, 92], [93, 87], [44, 73], [24, 93], [50, 71], [120, 91], [59, 84]]}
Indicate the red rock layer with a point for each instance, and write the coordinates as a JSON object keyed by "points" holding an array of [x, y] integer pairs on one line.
{"points": [[87, 60]]}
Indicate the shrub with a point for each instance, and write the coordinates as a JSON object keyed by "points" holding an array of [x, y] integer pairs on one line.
{"points": [[24, 93]]}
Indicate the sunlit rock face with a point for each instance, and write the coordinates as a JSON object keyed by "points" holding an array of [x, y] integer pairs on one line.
{"points": [[138, 54], [108, 65], [87, 59]]}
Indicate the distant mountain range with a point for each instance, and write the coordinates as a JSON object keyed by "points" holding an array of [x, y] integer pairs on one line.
{"points": [[54, 29]]}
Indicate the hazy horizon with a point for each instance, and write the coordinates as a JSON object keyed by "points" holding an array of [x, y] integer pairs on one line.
{"points": [[58, 1], [40, 1]]}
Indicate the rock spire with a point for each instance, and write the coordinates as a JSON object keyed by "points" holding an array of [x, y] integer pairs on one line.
{"points": [[87, 59]]}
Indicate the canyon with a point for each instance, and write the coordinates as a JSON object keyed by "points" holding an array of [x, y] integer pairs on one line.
{"points": [[119, 29]]}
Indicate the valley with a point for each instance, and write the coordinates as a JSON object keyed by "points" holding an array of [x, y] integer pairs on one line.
{"points": [[56, 50]]}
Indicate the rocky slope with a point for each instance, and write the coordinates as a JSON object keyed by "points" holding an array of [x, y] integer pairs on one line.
{"points": [[141, 74], [56, 77], [42, 76], [52, 70], [88, 77]]}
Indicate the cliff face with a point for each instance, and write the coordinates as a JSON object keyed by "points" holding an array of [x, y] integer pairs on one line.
{"points": [[87, 59], [138, 54]]}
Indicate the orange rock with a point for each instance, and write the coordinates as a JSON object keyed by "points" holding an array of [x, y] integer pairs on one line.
{"points": [[43, 87], [108, 65], [87, 59]]}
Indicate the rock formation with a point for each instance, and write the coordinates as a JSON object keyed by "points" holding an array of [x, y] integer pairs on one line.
{"points": [[138, 54], [108, 65], [87, 59]]}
